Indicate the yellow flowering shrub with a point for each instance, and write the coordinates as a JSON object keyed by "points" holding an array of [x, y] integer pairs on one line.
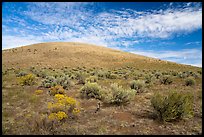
{"points": [[65, 104], [56, 90], [27, 80], [58, 116], [38, 92], [75, 111]]}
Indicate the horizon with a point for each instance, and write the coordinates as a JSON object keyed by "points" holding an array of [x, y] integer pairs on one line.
{"points": [[169, 31]]}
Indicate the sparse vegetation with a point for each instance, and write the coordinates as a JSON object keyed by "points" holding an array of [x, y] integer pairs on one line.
{"points": [[106, 88]]}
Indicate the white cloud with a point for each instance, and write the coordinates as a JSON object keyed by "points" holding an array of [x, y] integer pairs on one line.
{"points": [[117, 24], [184, 56], [15, 41]]}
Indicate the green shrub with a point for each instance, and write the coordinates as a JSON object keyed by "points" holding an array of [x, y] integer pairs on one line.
{"points": [[166, 80], [64, 81], [189, 82], [149, 78], [91, 90], [138, 85], [173, 106], [182, 75], [51, 81], [200, 72], [174, 73], [47, 82], [157, 75], [91, 79], [117, 95], [112, 76], [27, 80], [21, 73], [103, 74]]}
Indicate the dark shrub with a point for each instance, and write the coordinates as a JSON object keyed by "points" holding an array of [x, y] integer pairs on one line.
{"points": [[166, 80]]}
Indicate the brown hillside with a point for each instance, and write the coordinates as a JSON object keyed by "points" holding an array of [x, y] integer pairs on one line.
{"points": [[71, 54]]}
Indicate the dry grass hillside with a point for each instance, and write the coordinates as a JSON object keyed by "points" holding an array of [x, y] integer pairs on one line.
{"points": [[60, 54], [76, 89]]}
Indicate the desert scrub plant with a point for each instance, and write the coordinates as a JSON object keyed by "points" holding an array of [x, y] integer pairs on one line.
{"points": [[112, 76], [64, 81], [91, 79], [56, 90], [138, 85], [81, 78], [91, 90], [157, 75], [64, 106], [117, 95], [166, 79], [27, 80], [47, 81], [103, 74], [38, 92], [173, 106], [21, 73], [149, 78], [189, 81], [182, 75], [60, 115]]}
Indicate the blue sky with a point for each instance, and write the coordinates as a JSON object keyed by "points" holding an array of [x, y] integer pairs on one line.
{"points": [[167, 30]]}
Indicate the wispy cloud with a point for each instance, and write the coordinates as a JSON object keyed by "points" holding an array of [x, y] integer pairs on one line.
{"points": [[185, 56], [114, 24]]}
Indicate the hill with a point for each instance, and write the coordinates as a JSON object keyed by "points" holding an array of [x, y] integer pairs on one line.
{"points": [[71, 54]]}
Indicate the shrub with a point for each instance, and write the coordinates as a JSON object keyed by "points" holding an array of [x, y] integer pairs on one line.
{"points": [[157, 75], [174, 73], [149, 79], [27, 80], [189, 82], [20, 74], [38, 92], [91, 79], [182, 75], [138, 85], [47, 82], [166, 80], [112, 76], [62, 107], [117, 95], [56, 90], [90, 90], [173, 106], [60, 115], [103, 74], [51, 81], [81, 79]]}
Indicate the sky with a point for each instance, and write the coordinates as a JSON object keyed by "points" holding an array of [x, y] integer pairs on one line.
{"points": [[165, 30]]}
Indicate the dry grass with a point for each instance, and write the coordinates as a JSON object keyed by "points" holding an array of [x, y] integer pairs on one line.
{"points": [[70, 54]]}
